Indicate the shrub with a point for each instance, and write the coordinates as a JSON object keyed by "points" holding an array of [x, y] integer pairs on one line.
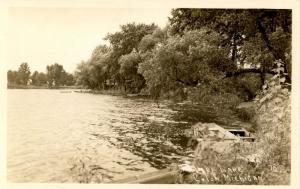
{"points": [[265, 161]]}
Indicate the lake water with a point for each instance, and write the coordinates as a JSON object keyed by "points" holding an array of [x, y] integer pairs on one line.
{"points": [[55, 136], [79, 137]]}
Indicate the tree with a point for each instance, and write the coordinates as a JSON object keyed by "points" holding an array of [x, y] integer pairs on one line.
{"points": [[38, 78], [55, 75], [82, 74], [134, 81], [95, 72], [23, 74], [100, 65], [194, 58], [123, 42], [243, 30], [150, 41], [215, 51], [111, 66], [35, 78], [69, 79], [12, 77], [42, 78]]}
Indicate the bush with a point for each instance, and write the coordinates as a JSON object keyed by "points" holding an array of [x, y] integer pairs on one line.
{"points": [[246, 111], [265, 161], [274, 119], [213, 96]]}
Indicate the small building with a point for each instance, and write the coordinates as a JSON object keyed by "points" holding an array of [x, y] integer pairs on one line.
{"points": [[29, 82]]}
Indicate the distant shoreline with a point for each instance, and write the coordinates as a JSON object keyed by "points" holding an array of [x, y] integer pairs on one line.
{"points": [[15, 86]]}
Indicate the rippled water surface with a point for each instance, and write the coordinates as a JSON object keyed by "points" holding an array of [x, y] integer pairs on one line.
{"points": [[76, 137]]}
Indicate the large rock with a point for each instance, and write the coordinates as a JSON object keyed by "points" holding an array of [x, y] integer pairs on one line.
{"points": [[210, 131]]}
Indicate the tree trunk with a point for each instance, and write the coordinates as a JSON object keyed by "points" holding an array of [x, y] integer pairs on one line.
{"points": [[270, 48], [233, 56]]}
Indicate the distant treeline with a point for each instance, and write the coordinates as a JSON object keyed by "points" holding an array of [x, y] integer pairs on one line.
{"points": [[54, 77], [200, 53]]}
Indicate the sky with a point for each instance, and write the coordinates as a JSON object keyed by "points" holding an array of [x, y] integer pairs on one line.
{"points": [[43, 36]]}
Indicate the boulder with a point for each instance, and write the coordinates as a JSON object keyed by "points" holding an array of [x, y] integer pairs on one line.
{"points": [[210, 131]]}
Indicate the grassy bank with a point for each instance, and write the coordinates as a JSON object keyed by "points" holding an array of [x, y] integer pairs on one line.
{"points": [[265, 161]]}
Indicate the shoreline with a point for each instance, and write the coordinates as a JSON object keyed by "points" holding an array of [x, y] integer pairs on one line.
{"points": [[39, 87]]}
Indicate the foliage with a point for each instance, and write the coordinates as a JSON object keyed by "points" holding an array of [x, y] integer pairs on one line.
{"points": [[194, 58], [263, 35], [23, 74], [98, 67], [274, 119], [214, 96], [38, 78], [95, 72], [214, 57], [267, 160], [150, 41], [209, 50], [116, 65], [82, 74], [56, 75], [134, 81], [124, 41], [12, 76]]}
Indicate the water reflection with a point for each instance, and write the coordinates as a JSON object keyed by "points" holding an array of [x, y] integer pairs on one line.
{"points": [[152, 135]]}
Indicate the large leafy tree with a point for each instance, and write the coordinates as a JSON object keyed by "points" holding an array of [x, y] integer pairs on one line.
{"points": [[82, 74], [247, 32], [23, 74], [150, 41], [124, 42], [12, 76], [134, 81], [99, 66], [35, 78], [113, 64], [69, 79], [200, 47], [95, 72], [55, 75], [194, 58], [38, 78]]}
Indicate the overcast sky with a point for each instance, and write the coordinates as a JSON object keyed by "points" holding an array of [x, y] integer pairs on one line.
{"points": [[43, 36]]}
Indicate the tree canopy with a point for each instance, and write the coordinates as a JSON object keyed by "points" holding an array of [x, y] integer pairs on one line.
{"points": [[256, 36], [23, 74], [216, 51]]}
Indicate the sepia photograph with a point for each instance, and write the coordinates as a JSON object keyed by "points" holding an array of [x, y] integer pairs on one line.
{"points": [[150, 95]]}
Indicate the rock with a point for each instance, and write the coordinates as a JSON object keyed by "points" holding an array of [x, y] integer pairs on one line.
{"points": [[253, 158], [187, 168], [211, 131]]}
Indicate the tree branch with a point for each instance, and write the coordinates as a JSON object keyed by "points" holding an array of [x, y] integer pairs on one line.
{"points": [[242, 71]]}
